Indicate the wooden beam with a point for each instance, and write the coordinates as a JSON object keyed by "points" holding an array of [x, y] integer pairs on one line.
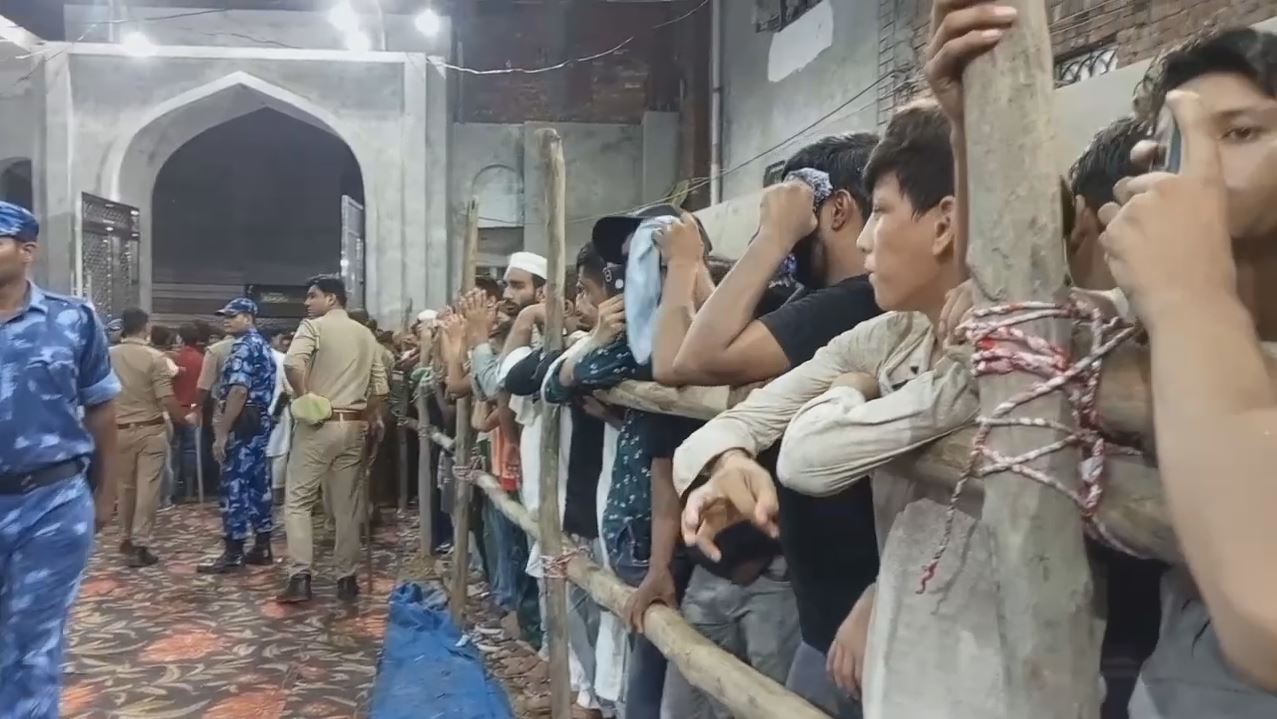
{"points": [[1051, 658], [556, 593], [425, 479], [464, 443], [738, 686]]}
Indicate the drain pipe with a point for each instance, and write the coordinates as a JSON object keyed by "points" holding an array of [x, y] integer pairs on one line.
{"points": [[716, 102]]}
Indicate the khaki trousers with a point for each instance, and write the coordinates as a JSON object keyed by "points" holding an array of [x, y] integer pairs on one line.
{"points": [[330, 454], [143, 454]]}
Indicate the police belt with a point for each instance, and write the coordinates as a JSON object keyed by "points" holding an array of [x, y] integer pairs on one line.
{"points": [[54, 473]]}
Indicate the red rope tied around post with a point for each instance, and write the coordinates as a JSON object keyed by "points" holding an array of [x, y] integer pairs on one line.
{"points": [[1003, 348], [557, 567]]}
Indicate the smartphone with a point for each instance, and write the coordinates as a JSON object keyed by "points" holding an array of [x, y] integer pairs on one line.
{"points": [[614, 280], [1173, 152]]}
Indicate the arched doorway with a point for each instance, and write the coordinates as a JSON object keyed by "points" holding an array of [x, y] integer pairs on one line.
{"points": [[135, 161], [251, 205]]}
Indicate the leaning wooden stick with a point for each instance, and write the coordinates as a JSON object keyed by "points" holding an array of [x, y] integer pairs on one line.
{"points": [[465, 443], [366, 486], [556, 602], [1051, 643]]}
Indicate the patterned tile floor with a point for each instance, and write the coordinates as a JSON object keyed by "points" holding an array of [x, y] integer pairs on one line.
{"points": [[167, 643]]}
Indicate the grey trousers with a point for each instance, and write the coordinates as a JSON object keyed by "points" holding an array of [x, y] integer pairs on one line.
{"points": [[809, 679], [757, 623]]}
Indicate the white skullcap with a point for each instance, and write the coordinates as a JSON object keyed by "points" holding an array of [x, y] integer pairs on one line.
{"points": [[529, 262], [427, 316]]}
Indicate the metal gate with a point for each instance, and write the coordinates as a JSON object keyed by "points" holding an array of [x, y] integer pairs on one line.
{"points": [[352, 250], [110, 255]]}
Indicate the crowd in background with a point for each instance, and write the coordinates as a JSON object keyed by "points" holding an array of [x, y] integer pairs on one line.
{"points": [[764, 526]]}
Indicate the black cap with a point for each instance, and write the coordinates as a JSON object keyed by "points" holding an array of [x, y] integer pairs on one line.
{"points": [[610, 233]]}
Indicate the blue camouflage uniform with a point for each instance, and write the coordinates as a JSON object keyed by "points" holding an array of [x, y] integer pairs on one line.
{"points": [[53, 365], [246, 487]]}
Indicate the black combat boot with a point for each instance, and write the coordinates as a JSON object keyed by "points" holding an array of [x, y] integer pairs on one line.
{"points": [[232, 560], [260, 555], [297, 590], [348, 588], [126, 547]]}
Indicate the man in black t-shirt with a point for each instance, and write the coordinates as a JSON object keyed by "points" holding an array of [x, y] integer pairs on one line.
{"points": [[828, 543]]}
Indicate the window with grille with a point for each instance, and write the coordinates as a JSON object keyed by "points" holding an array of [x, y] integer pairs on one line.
{"points": [[774, 15], [1079, 66]]}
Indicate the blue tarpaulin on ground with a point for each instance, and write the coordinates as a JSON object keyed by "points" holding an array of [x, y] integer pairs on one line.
{"points": [[423, 673]]}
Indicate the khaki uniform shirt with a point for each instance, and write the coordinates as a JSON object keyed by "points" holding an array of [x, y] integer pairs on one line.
{"points": [[214, 360], [146, 378], [833, 437], [341, 360]]}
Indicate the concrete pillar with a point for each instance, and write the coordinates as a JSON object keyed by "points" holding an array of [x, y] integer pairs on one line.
{"points": [[56, 199], [435, 282]]}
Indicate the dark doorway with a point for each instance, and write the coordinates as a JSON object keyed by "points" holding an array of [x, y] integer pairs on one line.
{"points": [[253, 201], [15, 183]]}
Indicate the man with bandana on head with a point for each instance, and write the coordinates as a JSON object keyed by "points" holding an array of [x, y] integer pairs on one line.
{"points": [[241, 433], [57, 437]]}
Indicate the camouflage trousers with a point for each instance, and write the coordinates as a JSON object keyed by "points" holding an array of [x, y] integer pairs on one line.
{"points": [[246, 500], [46, 536]]}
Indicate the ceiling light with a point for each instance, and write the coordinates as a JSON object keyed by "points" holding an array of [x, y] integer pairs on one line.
{"points": [[428, 22], [358, 42], [137, 44], [344, 17]]}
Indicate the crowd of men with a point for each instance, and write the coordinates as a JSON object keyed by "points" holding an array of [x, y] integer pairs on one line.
{"points": [[765, 526]]}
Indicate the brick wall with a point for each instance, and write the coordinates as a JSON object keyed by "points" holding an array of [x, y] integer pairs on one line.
{"points": [[1139, 29], [649, 73]]}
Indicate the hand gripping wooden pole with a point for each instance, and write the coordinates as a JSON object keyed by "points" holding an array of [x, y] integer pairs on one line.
{"points": [[548, 519], [1051, 648], [464, 445]]}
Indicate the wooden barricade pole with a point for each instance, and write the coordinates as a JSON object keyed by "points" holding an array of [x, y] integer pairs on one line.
{"points": [[465, 441], [745, 691], [1051, 648], [425, 479], [556, 593]]}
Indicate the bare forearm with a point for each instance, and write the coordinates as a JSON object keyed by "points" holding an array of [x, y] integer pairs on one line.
{"points": [[520, 334], [731, 307], [175, 411], [666, 511], [297, 379], [235, 400], [100, 422], [1215, 417], [673, 320]]}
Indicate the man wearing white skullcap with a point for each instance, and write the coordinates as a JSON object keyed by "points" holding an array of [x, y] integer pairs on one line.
{"points": [[524, 278]]}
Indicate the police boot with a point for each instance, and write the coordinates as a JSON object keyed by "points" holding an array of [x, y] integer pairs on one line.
{"points": [[261, 554], [232, 560], [348, 588], [297, 590]]}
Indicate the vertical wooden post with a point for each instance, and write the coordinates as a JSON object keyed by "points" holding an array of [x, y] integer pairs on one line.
{"points": [[549, 522], [1051, 650], [464, 443], [425, 479], [405, 436]]}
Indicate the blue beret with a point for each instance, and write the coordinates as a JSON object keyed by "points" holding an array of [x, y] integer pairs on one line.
{"points": [[18, 223], [238, 306]]}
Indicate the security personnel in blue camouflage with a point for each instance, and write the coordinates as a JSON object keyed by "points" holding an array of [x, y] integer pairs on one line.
{"points": [[57, 419], [241, 434]]}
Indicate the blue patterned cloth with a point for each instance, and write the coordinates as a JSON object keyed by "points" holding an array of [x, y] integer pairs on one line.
{"points": [[245, 494], [45, 539], [53, 362], [18, 222], [626, 526], [643, 286]]}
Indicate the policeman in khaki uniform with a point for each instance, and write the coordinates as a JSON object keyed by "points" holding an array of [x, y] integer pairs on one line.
{"points": [[335, 367], [147, 393]]}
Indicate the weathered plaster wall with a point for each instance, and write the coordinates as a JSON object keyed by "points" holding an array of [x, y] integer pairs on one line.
{"points": [[776, 84], [100, 101]]}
